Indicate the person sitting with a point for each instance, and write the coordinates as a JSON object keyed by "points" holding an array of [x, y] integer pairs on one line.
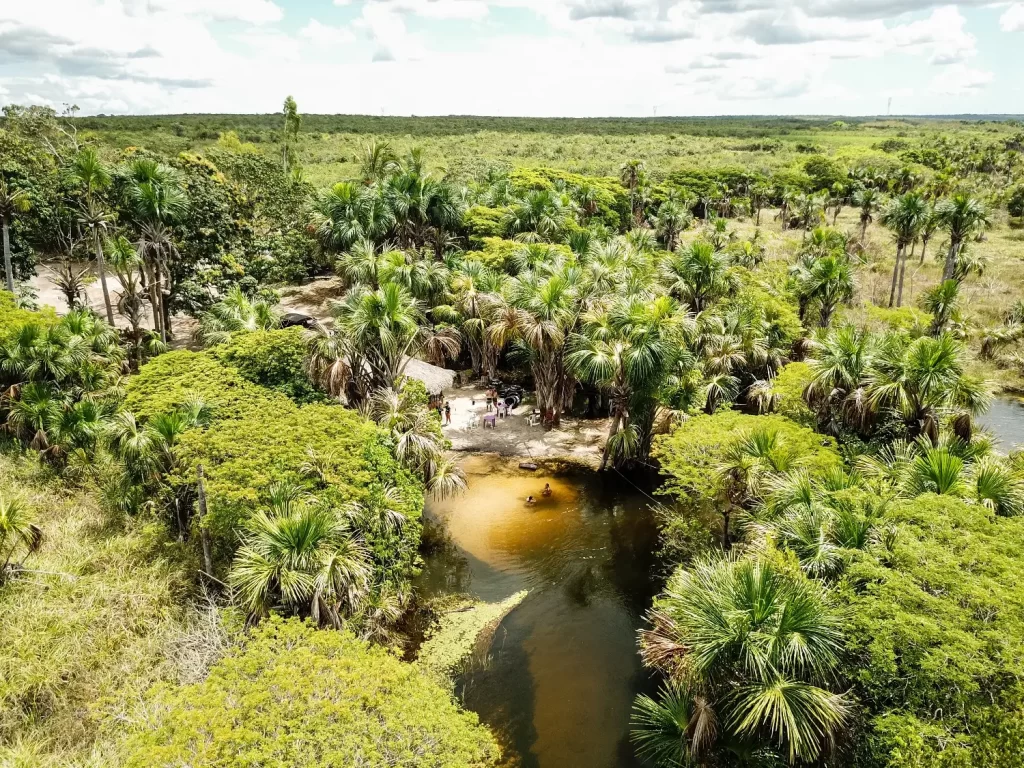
{"points": [[530, 500], [547, 490]]}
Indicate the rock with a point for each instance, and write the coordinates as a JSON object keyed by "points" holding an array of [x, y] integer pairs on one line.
{"points": [[528, 465]]}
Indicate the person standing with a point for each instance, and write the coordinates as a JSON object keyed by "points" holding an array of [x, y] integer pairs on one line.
{"points": [[447, 412]]}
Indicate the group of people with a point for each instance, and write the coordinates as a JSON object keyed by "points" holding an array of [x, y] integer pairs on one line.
{"points": [[545, 493], [496, 403]]}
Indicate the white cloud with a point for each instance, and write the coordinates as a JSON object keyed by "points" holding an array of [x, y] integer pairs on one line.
{"points": [[960, 80], [323, 34], [251, 11], [1013, 19]]}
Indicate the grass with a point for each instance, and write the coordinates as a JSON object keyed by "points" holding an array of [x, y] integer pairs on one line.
{"points": [[82, 641]]}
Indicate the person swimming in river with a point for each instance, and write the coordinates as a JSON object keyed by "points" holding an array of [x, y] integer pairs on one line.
{"points": [[530, 500], [547, 490]]}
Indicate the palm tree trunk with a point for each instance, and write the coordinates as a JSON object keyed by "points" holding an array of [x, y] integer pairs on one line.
{"points": [[903, 271], [8, 267], [863, 228], [757, 220], [154, 300], [924, 247], [204, 535], [102, 267], [612, 431], [895, 276], [951, 259]]}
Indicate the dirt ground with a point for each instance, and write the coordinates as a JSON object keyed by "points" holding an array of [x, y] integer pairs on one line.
{"points": [[579, 439]]}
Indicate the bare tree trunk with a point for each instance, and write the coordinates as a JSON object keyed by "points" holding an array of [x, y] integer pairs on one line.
{"points": [[612, 431], [895, 276], [863, 229], [204, 535], [8, 267], [903, 271], [102, 267], [154, 299], [924, 248], [951, 259]]}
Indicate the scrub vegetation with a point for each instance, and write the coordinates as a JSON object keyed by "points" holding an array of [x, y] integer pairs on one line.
{"points": [[794, 324]]}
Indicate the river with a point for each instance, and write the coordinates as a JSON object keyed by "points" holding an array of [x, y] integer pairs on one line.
{"points": [[1005, 420], [558, 680]]}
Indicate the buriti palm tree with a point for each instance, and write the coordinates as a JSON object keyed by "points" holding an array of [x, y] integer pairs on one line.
{"points": [[829, 282], [838, 367], [942, 302], [629, 352], [698, 275], [751, 654], [904, 216], [867, 201], [234, 313], [673, 218], [922, 382], [630, 174], [961, 217], [12, 202], [301, 556], [93, 178]]}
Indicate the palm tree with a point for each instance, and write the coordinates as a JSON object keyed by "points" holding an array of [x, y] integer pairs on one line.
{"points": [[961, 216], [300, 555], [628, 351], [867, 200], [904, 216], [347, 213], [838, 368], [726, 633], [699, 275], [378, 162], [17, 532], [942, 302], [539, 211], [93, 178], [157, 202], [829, 281], [922, 381], [292, 121], [672, 219], [630, 174], [12, 202], [234, 313]]}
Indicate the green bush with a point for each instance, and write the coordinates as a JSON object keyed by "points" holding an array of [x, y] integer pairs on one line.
{"points": [[273, 359], [936, 638], [1015, 205], [909, 320], [691, 455], [789, 386], [13, 317], [482, 222], [298, 697], [259, 437]]}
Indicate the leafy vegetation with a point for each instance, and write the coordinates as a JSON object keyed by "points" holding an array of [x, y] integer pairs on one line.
{"points": [[796, 322]]}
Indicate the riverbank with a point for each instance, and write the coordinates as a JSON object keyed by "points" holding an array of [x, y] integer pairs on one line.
{"points": [[577, 440]]}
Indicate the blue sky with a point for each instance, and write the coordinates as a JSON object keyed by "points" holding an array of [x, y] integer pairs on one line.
{"points": [[515, 57]]}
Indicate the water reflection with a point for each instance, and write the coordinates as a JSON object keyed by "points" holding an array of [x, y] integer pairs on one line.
{"points": [[558, 679]]}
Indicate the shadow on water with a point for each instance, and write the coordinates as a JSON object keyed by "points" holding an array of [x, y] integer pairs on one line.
{"points": [[1005, 420], [558, 680]]}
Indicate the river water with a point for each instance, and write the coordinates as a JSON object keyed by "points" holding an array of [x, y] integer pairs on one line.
{"points": [[558, 680], [1005, 420]]}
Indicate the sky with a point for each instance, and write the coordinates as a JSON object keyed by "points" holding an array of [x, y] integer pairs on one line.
{"points": [[545, 58]]}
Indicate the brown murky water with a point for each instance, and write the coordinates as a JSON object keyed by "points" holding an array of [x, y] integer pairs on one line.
{"points": [[558, 680]]}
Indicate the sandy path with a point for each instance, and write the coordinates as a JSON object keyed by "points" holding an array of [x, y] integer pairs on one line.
{"points": [[580, 439]]}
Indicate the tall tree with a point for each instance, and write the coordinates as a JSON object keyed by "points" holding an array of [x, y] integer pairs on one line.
{"points": [[93, 177], [903, 216], [292, 121], [12, 202], [961, 216]]}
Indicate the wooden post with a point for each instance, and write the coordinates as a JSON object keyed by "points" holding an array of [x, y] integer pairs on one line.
{"points": [[204, 535]]}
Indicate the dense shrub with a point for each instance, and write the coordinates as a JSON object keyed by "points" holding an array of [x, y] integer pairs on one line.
{"points": [[12, 316], [936, 638], [789, 387], [482, 222], [692, 454], [295, 696], [272, 359], [1015, 205], [259, 436]]}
